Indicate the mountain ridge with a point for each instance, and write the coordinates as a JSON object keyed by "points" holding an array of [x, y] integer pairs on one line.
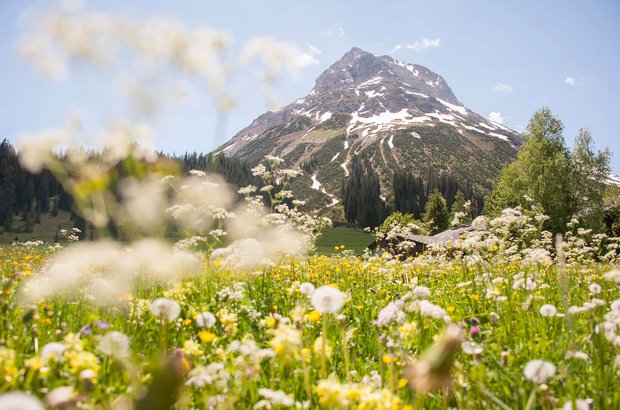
{"points": [[400, 116]]}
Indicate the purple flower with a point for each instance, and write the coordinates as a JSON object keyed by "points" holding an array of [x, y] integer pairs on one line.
{"points": [[474, 331], [102, 325], [86, 330], [474, 320]]}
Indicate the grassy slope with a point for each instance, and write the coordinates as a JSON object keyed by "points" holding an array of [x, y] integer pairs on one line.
{"points": [[353, 239], [45, 231]]}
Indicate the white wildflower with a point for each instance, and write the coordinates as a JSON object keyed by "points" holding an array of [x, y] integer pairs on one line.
{"points": [[166, 309], [19, 401], [274, 398], [306, 288], [53, 351], [580, 404], [421, 292], [613, 275], [327, 299], [205, 319], [471, 348], [539, 371], [60, 397], [548, 310], [115, 344], [388, 314]]}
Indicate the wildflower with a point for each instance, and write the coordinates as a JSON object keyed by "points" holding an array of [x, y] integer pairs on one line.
{"points": [[61, 397], [313, 316], [580, 404], [206, 337], [318, 347], [613, 275], [421, 292], [165, 309], [548, 311], [286, 339], [19, 401], [53, 351], [206, 319], [595, 288], [539, 371], [474, 331], [274, 398], [612, 323], [577, 355], [388, 314], [115, 344], [191, 348], [471, 348], [306, 288], [327, 299]]}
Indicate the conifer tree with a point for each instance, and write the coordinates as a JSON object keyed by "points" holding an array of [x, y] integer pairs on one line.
{"points": [[436, 214]]}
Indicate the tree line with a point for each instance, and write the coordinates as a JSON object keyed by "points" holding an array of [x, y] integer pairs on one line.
{"points": [[433, 197], [25, 196]]}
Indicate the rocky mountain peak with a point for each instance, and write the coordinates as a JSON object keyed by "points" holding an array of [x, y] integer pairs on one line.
{"points": [[400, 116], [358, 67]]}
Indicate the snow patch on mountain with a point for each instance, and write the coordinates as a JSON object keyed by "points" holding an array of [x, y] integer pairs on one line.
{"points": [[452, 107], [325, 116]]}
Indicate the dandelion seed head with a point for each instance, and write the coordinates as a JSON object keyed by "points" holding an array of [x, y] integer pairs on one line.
{"points": [[327, 299]]}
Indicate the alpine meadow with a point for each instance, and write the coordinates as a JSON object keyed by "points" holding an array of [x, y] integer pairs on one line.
{"points": [[372, 243]]}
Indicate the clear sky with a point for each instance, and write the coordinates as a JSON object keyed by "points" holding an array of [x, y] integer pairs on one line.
{"points": [[506, 58]]}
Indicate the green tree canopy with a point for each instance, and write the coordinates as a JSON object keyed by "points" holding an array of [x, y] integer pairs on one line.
{"points": [[565, 184]]}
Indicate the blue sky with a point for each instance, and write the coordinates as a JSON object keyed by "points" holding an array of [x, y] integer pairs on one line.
{"points": [[508, 58]]}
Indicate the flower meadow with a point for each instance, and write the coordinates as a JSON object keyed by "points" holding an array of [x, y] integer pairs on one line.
{"points": [[339, 332], [215, 298]]}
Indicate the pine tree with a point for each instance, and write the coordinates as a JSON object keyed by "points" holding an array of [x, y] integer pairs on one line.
{"points": [[436, 214], [461, 207]]}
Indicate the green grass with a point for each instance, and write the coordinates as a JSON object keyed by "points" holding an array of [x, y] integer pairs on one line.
{"points": [[44, 231], [352, 239]]}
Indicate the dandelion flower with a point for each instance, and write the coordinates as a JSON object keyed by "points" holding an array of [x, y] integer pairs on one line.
{"points": [[388, 314], [539, 371], [421, 292], [306, 288], [327, 299], [19, 401], [115, 344], [548, 310], [205, 319], [471, 348], [166, 309], [53, 351]]}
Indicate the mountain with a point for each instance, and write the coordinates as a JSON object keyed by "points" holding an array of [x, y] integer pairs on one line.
{"points": [[398, 116]]}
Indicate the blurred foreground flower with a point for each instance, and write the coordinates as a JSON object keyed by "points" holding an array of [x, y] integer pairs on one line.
{"points": [[19, 401], [433, 370]]}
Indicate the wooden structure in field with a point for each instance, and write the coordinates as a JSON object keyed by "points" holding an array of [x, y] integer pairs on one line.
{"points": [[412, 245]]}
